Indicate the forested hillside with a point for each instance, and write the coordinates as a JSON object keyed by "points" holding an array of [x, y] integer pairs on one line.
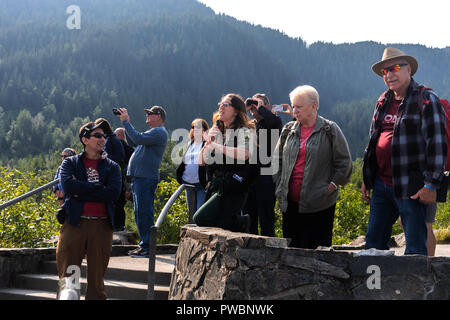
{"points": [[174, 53]]}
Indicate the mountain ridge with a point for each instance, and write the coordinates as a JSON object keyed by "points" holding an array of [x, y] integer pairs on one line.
{"points": [[174, 53]]}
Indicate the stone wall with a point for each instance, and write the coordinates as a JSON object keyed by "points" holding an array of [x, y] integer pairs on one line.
{"points": [[216, 264], [30, 260], [26, 260]]}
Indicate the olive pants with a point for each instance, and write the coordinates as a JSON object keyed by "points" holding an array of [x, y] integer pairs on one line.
{"points": [[221, 210], [92, 238]]}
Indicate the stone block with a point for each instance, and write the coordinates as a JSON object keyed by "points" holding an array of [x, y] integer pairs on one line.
{"points": [[213, 263]]}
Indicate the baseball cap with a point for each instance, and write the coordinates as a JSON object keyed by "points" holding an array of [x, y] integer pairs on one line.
{"points": [[157, 110], [87, 128]]}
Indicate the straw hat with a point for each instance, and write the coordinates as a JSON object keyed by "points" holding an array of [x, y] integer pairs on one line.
{"points": [[391, 54]]}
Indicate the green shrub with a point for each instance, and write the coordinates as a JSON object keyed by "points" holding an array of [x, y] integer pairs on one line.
{"points": [[442, 220], [443, 236], [177, 215], [351, 215], [32, 221]]}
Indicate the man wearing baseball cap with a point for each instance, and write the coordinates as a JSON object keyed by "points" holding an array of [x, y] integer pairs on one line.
{"points": [[143, 169], [91, 183], [405, 158]]}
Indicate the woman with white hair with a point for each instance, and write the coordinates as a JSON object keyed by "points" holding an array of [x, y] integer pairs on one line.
{"points": [[313, 159]]}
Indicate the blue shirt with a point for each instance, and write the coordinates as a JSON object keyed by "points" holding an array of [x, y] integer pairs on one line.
{"points": [[150, 145]]}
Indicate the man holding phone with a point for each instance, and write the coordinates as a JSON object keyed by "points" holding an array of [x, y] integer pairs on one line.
{"points": [[143, 169], [261, 197]]}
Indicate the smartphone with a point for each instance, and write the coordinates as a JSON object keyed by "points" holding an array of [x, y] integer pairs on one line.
{"points": [[116, 111], [277, 108], [251, 101]]}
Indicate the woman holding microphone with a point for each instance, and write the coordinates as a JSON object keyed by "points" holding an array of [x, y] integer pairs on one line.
{"points": [[227, 152]]}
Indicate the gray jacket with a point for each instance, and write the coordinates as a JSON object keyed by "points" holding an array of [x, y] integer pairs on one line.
{"points": [[326, 161]]}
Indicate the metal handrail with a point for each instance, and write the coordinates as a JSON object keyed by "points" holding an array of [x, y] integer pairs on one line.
{"points": [[152, 242], [153, 230], [28, 194], [169, 203]]}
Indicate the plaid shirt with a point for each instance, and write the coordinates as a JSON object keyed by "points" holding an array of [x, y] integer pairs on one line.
{"points": [[419, 141]]}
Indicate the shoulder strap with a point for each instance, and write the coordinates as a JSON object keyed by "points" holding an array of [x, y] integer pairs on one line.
{"points": [[327, 128], [446, 106], [420, 98], [284, 134]]}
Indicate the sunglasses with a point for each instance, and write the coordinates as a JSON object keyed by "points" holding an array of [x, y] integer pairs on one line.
{"points": [[393, 68], [225, 104], [98, 135]]}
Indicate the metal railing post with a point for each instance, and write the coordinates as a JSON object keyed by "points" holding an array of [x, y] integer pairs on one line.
{"points": [[152, 242], [28, 194], [151, 264]]}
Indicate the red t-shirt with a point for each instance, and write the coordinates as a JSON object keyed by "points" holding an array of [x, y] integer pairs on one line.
{"points": [[295, 182], [93, 209], [384, 144]]}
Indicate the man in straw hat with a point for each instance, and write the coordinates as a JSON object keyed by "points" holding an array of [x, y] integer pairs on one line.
{"points": [[405, 158]]}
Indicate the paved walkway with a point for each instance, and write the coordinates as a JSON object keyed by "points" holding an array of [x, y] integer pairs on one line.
{"points": [[164, 263], [442, 250]]}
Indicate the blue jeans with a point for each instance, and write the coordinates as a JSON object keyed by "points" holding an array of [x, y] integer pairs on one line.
{"points": [[143, 198], [195, 198], [385, 210]]}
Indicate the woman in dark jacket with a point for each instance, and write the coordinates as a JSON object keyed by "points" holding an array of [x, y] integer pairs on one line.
{"points": [[189, 171], [226, 153]]}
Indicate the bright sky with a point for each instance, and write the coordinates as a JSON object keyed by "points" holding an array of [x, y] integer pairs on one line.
{"points": [[426, 22]]}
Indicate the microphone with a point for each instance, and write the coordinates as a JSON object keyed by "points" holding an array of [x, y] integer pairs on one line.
{"points": [[219, 125]]}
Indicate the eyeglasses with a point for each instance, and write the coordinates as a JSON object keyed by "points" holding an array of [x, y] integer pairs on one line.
{"points": [[98, 135], [224, 104], [393, 68]]}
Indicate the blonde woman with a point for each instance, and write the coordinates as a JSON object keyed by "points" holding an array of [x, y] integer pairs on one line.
{"points": [[190, 172]]}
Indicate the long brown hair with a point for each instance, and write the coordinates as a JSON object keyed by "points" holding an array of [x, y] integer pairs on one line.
{"points": [[241, 120]]}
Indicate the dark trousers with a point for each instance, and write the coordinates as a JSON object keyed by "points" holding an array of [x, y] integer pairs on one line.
{"points": [[308, 230], [221, 210], [260, 205], [119, 211]]}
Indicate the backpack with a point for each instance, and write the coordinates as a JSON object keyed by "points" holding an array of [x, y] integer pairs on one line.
{"points": [[446, 107]]}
